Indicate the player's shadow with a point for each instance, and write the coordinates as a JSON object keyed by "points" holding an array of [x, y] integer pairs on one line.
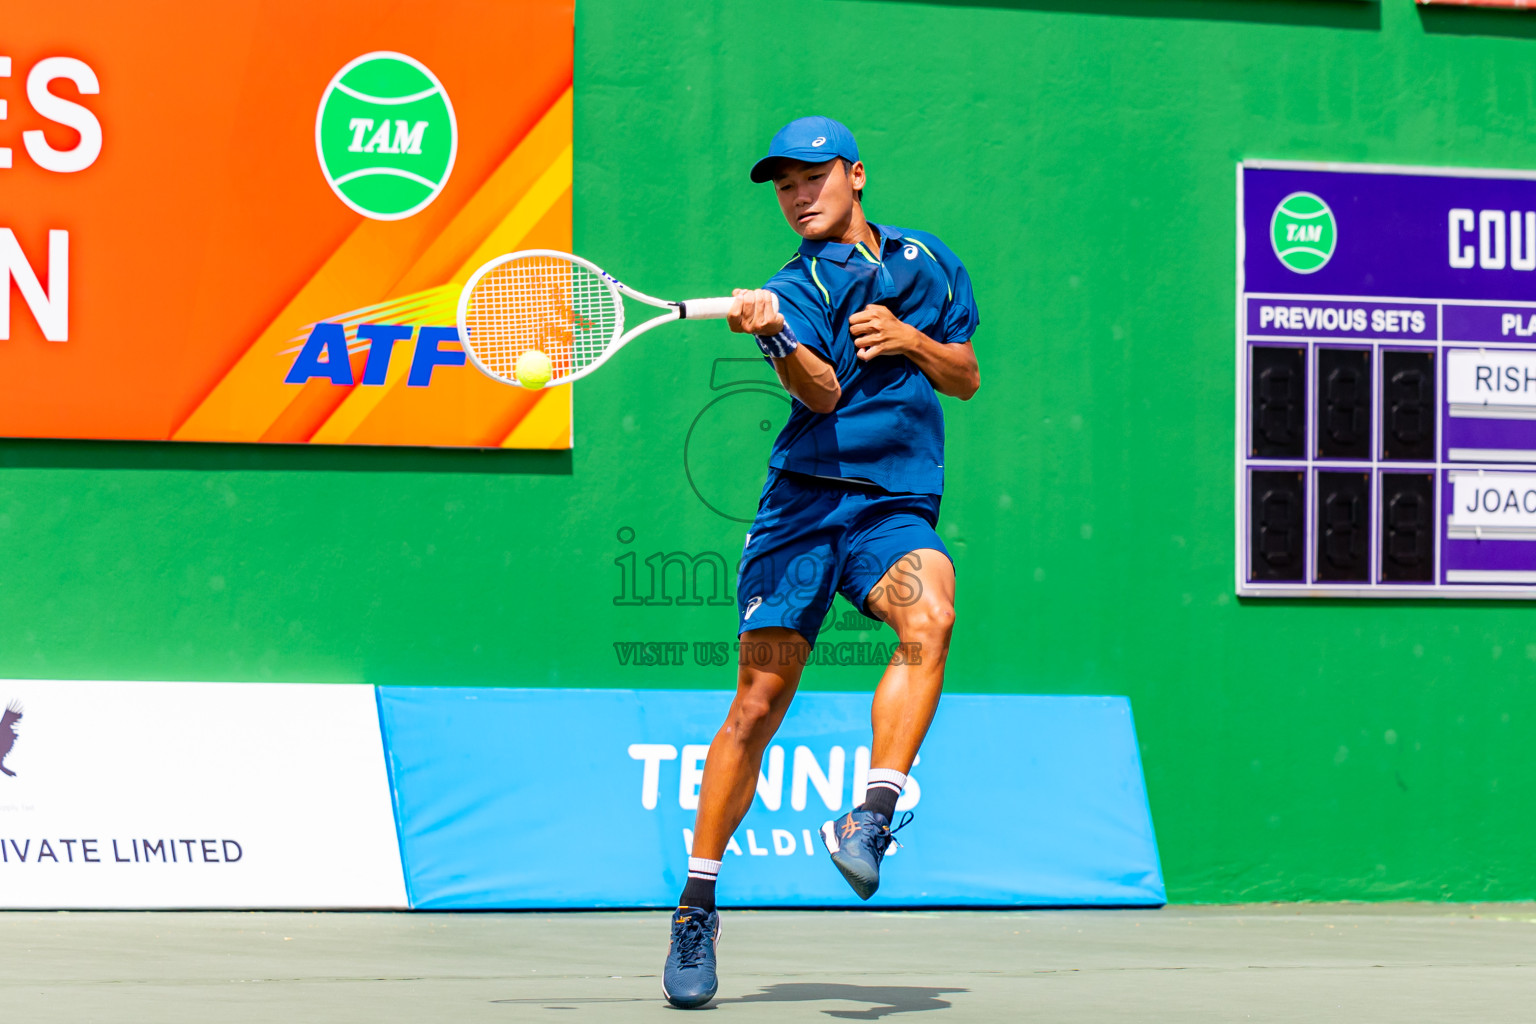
{"points": [[880, 1000]]}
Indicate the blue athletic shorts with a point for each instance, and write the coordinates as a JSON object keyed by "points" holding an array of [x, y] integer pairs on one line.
{"points": [[814, 539]]}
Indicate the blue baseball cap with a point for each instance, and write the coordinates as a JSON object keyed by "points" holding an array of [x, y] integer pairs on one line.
{"points": [[814, 140]]}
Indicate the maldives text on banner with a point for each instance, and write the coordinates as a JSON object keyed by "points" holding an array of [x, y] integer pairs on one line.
{"points": [[254, 226], [193, 795], [585, 798]]}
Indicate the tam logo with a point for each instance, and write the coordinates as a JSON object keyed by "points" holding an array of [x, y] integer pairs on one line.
{"points": [[386, 135], [407, 137], [328, 355], [1304, 232]]}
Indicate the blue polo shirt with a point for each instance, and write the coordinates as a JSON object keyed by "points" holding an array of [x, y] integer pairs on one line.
{"points": [[887, 428]]}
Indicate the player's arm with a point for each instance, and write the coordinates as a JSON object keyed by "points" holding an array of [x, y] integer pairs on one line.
{"points": [[951, 367], [801, 370]]}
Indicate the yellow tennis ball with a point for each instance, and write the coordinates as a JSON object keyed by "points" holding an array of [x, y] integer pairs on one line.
{"points": [[533, 369]]}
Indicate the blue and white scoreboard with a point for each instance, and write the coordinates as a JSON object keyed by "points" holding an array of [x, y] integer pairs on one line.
{"points": [[1386, 428]]}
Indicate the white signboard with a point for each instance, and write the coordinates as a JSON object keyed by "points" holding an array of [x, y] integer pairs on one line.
{"points": [[1493, 505], [1491, 383], [135, 794]]}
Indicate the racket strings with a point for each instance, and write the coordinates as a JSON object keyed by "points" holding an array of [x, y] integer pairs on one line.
{"points": [[560, 308]]}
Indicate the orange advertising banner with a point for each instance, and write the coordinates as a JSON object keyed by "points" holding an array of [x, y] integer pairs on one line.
{"points": [[250, 220]]}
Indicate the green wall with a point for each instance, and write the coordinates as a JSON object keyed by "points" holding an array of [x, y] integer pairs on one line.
{"points": [[1079, 156]]}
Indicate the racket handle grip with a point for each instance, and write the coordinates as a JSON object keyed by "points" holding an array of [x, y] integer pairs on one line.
{"points": [[704, 309]]}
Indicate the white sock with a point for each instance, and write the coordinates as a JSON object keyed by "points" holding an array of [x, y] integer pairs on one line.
{"points": [[708, 870], [888, 778]]}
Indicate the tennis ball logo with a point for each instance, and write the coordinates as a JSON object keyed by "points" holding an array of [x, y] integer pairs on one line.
{"points": [[1303, 232], [386, 135]]}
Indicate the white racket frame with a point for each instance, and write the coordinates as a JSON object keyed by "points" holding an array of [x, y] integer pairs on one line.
{"points": [[688, 309]]}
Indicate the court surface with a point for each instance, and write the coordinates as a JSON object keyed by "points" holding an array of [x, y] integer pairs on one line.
{"points": [[1319, 962]]}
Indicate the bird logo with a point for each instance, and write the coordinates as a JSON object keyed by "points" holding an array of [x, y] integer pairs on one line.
{"points": [[8, 722]]}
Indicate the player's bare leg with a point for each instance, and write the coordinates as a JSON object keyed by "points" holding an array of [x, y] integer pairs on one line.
{"points": [[765, 684], [916, 597], [768, 672]]}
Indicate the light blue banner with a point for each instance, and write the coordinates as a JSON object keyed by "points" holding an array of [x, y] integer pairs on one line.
{"points": [[585, 798]]}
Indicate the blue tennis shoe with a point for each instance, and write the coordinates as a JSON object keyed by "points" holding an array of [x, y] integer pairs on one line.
{"points": [[858, 842], [689, 979]]}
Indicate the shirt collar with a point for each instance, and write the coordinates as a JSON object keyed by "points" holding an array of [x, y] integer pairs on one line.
{"points": [[838, 252]]}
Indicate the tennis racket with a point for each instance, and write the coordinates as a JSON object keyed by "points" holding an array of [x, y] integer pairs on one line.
{"points": [[562, 305]]}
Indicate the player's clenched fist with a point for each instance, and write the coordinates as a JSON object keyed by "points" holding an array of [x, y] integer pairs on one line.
{"points": [[879, 332], [754, 312]]}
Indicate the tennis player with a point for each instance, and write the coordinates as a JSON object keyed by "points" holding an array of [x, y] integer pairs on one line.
{"points": [[865, 327]]}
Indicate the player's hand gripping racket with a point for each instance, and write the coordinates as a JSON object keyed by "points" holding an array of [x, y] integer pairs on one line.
{"points": [[568, 308]]}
